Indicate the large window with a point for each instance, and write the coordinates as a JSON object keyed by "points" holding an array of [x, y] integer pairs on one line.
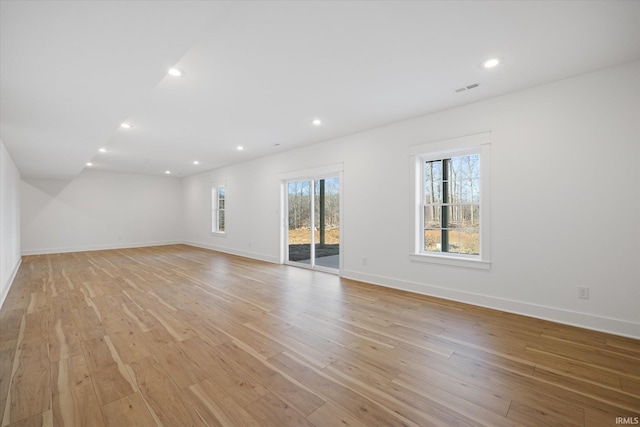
{"points": [[218, 206], [452, 202]]}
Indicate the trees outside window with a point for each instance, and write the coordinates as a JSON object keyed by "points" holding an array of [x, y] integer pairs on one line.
{"points": [[451, 205], [218, 209]]}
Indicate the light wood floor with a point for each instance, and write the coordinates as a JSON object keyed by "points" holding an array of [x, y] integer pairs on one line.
{"points": [[179, 336]]}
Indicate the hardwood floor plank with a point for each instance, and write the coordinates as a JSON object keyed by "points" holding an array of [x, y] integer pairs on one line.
{"points": [[575, 369], [623, 342], [523, 387], [339, 333], [110, 379], [63, 337], [161, 396], [44, 419], [296, 396], [30, 390], [590, 342], [110, 384], [129, 411], [271, 411], [234, 379], [10, 320], [408, 405], [385, 328], [598, 418], [225, 409], [209, 333], [7, 352], [483, 397], [182, 369], [35, 329], [177, 329], [630, 386], [272, 321], [74, 401], [182, 336], [97, 354], [318, 356], [543, 415], [611, 361], [456, 404], [364, 408], [264, 343], [332, 415], [362, 372], [129, 345], [605, 394], [488, 341], [88, 323], [380, 358], [69, 372], [143, 320], [115, 320], [38, 302]]}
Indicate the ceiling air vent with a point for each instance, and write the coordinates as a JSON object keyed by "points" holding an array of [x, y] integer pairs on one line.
{"points": [[463, 88]]}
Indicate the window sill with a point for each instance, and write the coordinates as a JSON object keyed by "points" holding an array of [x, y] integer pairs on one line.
{"points": [[452, 261], [218, 233]]}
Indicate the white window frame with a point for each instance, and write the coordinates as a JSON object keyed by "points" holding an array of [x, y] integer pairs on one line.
{"points": [[215, 209], [419, 155]]}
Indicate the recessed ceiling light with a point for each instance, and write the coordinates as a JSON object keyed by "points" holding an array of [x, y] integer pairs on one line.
{"points": [[240, 148], [89, 164], [490, 63], [125, 125], [103, 150], [175, 72], [167, 172], [195, 162], [316, 122]]}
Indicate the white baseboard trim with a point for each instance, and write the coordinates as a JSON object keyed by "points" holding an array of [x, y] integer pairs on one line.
{"points": [[246, 254], [9, 283], [98, 247], [582, 320]]}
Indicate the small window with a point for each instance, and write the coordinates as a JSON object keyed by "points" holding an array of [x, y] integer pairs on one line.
{"points": [[218, 207], [452, 202]]}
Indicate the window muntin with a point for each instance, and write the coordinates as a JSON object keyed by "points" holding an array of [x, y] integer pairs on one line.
{"points": [[450, 198], [218, 209]]}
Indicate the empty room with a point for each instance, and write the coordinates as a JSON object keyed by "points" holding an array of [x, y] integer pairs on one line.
{"points": [[319, 213]]}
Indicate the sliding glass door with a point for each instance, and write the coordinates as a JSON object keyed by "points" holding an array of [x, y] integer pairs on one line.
{"points": [[327, 222], [313, 231], [300, 221]]}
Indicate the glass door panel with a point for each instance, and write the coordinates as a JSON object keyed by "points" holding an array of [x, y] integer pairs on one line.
{"points": [[299, 227], [327, 223]]}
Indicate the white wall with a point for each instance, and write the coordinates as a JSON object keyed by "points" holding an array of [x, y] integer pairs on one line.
{"points": [[9, 221], [565, 202], [100, 210]]}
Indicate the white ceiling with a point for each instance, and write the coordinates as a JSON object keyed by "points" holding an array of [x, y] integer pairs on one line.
{"points": [[257, 73]]}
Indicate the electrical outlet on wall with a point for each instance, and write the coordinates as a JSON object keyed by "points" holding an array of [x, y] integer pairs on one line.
{"points": [[364, 260], [583, 292]]}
